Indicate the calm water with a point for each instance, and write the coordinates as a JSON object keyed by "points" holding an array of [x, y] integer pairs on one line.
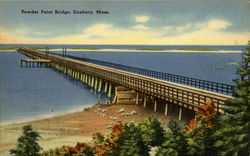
{"points": [[29, 93], [196, 65]]}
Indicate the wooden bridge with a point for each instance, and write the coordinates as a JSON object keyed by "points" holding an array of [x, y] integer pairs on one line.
{"points": [[103, 78]]}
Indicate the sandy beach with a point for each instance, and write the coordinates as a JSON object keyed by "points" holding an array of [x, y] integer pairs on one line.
{"points": [[76, 127]]}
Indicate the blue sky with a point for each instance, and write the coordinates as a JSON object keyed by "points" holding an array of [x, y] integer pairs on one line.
{"points": [[194, 22]]}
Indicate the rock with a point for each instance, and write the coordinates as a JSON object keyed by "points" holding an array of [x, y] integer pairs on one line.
{"points": [[114, 118], [123, 114], [127, 114], [103, 111], [98, 113], [132, 121], [110, 126], [121, 110], [133, 113]]}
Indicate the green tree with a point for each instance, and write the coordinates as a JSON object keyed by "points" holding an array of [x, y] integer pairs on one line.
{"points": [[152, 132], [233, 134], [175, 143], [131, 143], [178, 143], [27, 143]]}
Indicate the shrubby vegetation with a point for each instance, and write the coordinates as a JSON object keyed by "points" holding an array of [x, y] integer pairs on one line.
{"points": [[210, 134], [15, 48]]}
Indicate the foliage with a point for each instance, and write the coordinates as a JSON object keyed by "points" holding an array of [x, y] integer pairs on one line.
{"points": [[27, 143], [81, 149], [200, 129], [130, 139], [233, 134], [131, 143], [197, 128], [107, 145], [176, 142], [194, 138], [152, 132]]}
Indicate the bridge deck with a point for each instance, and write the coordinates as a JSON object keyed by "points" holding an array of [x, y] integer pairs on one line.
{"points": [[183, 95]]}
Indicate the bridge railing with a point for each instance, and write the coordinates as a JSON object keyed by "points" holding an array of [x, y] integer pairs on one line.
{"points": [[179, 95], [193, 82]]}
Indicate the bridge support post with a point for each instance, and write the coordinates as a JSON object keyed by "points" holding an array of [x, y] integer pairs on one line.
{"points": [[86, 79], [83, 77], [166, 109], [180, 113], [80, 76], [106, 87], [100, 85], [96, 84], [110, 89], [145, 101], [137, 99], [66, 70], [92, 81], [72, 73], [155, 106], [89, 80]]}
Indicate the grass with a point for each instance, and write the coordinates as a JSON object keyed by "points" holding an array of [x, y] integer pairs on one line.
{"points": [[15, 48], [8, 48], [86, 48], [197, 49], [152, 49]]}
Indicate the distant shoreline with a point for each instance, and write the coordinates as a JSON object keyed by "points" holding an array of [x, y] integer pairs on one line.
{"points": [[137, 50]]}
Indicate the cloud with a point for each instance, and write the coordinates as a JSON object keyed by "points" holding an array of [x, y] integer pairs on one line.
{"points": [[168, 28], [141, 19], [217, 24], [212, 24], [141, 27], [98, 31], [203, 33]]}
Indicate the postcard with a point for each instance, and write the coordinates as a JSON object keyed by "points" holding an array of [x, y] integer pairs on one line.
{"points": [[124, 77]]}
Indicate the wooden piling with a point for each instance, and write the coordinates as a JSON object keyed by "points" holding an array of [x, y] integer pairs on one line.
{"points": [[137, 99], [155, 106], [180, 113], [145, 101], [166, 109]]}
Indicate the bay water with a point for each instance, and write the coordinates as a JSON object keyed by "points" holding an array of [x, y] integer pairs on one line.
{"points": [[32, 93]]}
